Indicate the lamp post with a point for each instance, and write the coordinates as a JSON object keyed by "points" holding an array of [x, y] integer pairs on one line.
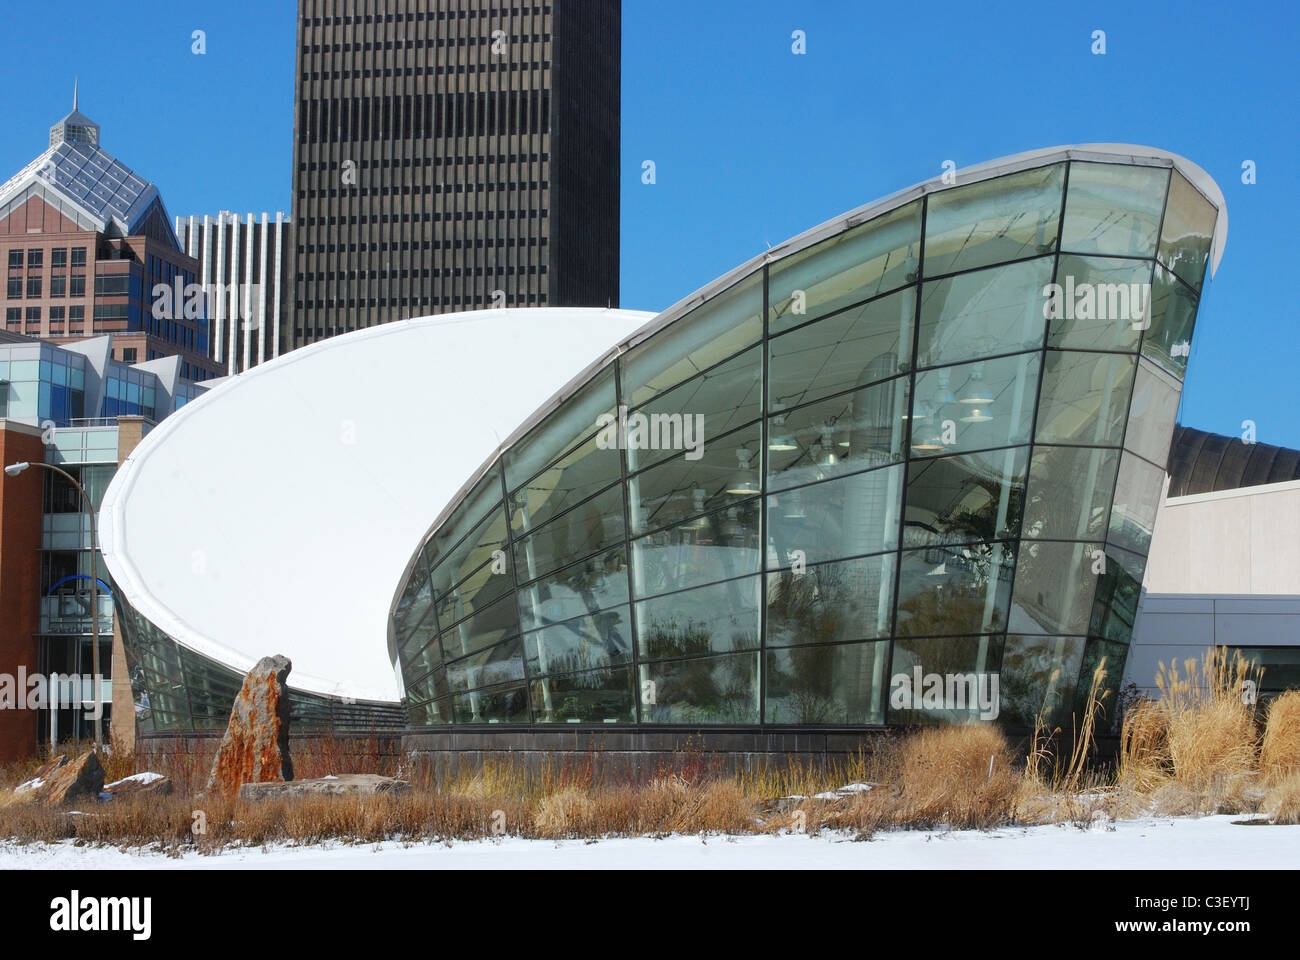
{"points": [[13, 470]]}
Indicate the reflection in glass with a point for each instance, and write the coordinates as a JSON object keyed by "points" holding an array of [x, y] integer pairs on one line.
{"points": [[836, 683], [983, 313], [851, 349], [492, 580], [977, 496], [596, 696], [719, 546], [1187, 232], [597, 640], [1173, 314], [845, 434], [596, 583], [419, 651], [1099, 303], [500, 664], [974, 406], [846, 269], [725, 325], [701, 690], [415, 602], [1085, 398], [848, 600], [562, 430], [573, 478], [476, 521], [1113, 209], [966, 665], [431, 686], [726, 397], [1152, 414], [1118, 591], [1107, 657], [495, 705], [847, 517], [729, 469], [1038, 679], [1054, 587], [993, 221], [955, 589], [719, 618], [1069, 492], [471, 554], [1138, 490], [593, 526], [486, 627]]}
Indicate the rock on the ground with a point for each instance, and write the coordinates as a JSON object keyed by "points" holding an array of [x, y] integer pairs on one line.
{"points": [[81, 779], [349, 784], [141, 784], [39, 778], [255, 748]]}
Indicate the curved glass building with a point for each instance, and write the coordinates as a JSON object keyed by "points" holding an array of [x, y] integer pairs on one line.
{"points": [[900, 469], [926, 439]]}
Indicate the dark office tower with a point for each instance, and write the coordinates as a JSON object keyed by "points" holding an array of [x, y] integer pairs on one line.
{"points": [[453, 155]]}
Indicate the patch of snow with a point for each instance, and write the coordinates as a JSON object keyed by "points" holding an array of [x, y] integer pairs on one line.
{"points": [[1168, 843], [147, 777], [29, 785], [838, 793]]}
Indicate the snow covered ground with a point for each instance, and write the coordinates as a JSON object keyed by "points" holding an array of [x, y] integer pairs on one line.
{"points": [[1206, 843]]}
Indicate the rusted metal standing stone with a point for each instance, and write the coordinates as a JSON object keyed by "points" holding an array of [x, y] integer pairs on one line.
{"points": [[255, 748]]}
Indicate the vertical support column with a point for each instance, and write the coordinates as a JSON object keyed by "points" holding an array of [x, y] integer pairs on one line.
{"points": [[263, 291], [282, 289], [216, 334], [247, 311]]}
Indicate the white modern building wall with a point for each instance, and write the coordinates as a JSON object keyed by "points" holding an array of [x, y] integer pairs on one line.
{"points": [[1224, 570], [245, 265]]}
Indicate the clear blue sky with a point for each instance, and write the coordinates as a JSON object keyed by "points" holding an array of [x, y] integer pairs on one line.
{"points": [[754, 144]]}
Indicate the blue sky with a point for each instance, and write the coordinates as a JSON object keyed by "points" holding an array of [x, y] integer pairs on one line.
{"points": [[754, 144]]}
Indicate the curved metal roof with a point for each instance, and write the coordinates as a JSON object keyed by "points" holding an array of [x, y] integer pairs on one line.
{"points": [[1201, 462]]}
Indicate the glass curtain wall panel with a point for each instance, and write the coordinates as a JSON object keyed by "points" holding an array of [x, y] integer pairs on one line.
{"points": [[929, 443]]}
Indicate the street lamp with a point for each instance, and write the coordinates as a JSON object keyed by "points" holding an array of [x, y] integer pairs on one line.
{"points": [[12, 471]]}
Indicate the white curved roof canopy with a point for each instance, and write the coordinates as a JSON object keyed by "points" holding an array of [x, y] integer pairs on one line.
{"points": [[275, 513]]}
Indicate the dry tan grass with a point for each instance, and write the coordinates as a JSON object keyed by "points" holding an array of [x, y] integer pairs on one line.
{"points": [[1279, 754], [1211, 732], [1194, 750], [1144, 761], [1282, 802]]}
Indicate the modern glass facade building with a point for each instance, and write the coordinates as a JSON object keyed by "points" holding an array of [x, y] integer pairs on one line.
{"points": [[929, 436]]}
